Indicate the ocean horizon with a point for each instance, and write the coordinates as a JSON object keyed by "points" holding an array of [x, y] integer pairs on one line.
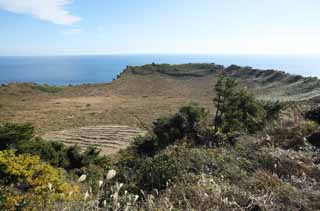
{"points": [[90, 69]]}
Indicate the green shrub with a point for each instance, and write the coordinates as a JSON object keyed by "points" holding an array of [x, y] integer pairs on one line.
{"points": [[12, 135], [52, 152], [233, 67], [20, 137], [49, 89], [168, 130], [145, 145], [78, 160], [193, 160], [273, 109], [157, 172]]}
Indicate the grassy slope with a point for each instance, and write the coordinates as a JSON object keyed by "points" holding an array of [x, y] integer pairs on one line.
{"points": [[274, 170], [271, 84], [141, 94]]}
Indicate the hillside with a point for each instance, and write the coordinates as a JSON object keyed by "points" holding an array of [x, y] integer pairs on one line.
{"points": [[274, 84], [140, 95], [251, 155], [139, 144]]}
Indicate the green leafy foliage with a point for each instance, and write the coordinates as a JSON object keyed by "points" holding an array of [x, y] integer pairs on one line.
{"points": [[183, 123], [156, 172], [79, 160], [20, 137], [170, 129], [12, 135], [33, 162], [30, 176], [49, 89], [52, 152], [237, 110], [273, 109]]}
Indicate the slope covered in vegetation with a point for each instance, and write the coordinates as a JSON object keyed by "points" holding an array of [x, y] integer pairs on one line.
{"points": [[270, 83], [140, 95], [249, 154]]}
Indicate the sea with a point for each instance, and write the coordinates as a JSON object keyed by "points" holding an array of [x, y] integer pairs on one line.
{"points": [[66, 70]]}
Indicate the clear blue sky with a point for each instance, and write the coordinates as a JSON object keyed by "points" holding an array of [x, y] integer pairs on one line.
{"points": [[42, 27]]}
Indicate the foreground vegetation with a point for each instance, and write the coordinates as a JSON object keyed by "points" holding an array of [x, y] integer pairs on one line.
{"points": [[252, 155]]}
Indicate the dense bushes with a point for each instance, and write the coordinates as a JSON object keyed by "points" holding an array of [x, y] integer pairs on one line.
{"points": [[51, 152], [31, 164], [20, 137], [11, 135], [157, 172], [162, 169], [29, 174], [183, 124]]}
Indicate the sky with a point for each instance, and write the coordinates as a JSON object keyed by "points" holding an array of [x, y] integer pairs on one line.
{"points": [[83, 27]]}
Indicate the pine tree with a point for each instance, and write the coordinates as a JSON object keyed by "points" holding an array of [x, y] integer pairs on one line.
{"points": [[236, 109]]}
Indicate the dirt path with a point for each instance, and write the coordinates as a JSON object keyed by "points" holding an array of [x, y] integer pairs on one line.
{"points": [[109, 138]]}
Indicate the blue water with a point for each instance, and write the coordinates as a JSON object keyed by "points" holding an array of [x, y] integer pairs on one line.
{"points": [[64, 70]]}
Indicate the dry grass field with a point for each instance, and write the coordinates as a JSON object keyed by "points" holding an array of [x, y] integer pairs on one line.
{"points": [[137, 97]]}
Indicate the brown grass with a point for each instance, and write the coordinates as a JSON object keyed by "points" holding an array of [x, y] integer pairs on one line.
{"points": [[132, 100]]}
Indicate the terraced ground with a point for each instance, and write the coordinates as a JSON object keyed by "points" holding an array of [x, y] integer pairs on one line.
{"points": [[108, 138]]}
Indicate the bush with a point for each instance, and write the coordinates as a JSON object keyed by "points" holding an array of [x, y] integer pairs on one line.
{"points": [[28, 173], [293, 138], [145, 145], [79, 160], [20, 138], [170, 129], [268, 181], [193, 160], [273, 109], [157, 172], [49, 89], [313, 114], [52, 152], [12, 135]]}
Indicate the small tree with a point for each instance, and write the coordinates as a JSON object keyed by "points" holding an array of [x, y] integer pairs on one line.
{"points": [[225, 95], [236, 109]]}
